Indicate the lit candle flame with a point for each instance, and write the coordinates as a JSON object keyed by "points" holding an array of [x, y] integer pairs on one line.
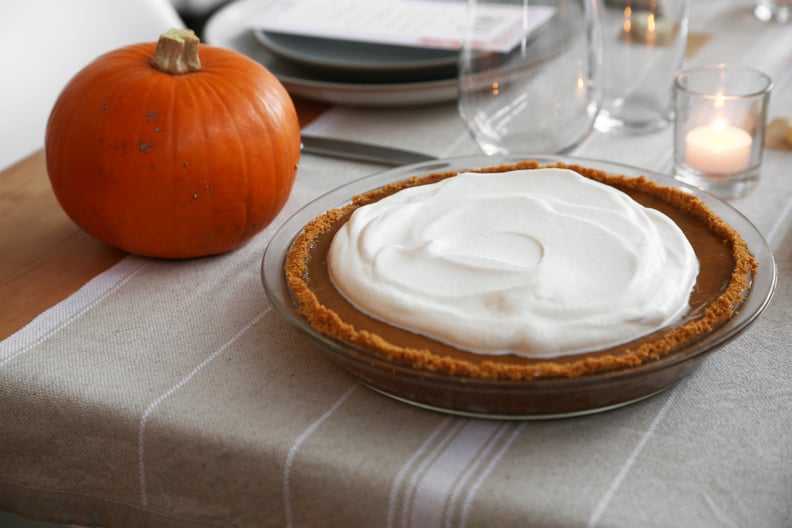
{"points": [[627, 19]]}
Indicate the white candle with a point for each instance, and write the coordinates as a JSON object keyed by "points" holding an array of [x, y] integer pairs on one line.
{"points": [[719, 148]]}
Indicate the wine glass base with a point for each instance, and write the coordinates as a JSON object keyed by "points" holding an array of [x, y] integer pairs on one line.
{"points": [[633, 115], [527, 144], [618, 124]]}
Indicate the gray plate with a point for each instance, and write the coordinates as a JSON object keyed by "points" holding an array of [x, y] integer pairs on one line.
{"points": [[364, 62], [228, 28]]}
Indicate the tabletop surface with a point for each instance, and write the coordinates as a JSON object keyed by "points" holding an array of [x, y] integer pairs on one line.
{"points": [[140, 392]]}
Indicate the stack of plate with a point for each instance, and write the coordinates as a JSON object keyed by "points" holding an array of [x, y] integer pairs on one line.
{"points": [[336, 71]]}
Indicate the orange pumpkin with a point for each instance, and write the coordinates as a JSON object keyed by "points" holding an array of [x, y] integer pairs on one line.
{"points": [[160, 152]]}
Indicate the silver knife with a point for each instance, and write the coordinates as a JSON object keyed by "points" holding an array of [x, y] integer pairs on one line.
{"points": [[357, 151]]}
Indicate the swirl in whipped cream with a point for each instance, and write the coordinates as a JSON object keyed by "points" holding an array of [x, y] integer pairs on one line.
{"points": [[536, 263]]}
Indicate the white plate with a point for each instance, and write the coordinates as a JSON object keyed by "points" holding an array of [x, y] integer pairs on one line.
{"points": [[228, 28]]}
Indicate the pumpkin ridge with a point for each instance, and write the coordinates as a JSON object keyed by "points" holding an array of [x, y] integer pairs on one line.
{"points": [[88, 113], [188, 197], [146, 157], [170, 129], [277, 159], [249, 210]]}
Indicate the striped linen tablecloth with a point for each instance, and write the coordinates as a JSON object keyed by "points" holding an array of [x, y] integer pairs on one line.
{"points": [[170, 394]]}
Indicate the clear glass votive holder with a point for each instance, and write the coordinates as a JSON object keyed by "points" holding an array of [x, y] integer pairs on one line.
{"points": [[719, 132]]}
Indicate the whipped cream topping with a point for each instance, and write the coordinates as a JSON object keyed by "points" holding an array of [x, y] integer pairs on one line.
{"points": [[536, 263]]}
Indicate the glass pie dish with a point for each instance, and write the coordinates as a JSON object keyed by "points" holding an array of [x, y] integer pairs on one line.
{"points": [[515, 398]]}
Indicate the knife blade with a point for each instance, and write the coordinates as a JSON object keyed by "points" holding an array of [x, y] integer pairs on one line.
{"points": [[358, 151]]}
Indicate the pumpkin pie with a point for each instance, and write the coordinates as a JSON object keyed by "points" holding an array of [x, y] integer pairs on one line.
{"points": [[712, 285]]}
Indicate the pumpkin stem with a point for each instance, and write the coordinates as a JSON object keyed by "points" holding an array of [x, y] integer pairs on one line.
{"points": [[177, 52]]}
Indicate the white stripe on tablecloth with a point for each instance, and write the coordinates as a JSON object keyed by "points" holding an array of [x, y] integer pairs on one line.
{"points": [[168, 393], [463, 517], [70, 310], [296, 446], [459, 458], [602, 504], [471, 470], [422, 468], [397, 482]]}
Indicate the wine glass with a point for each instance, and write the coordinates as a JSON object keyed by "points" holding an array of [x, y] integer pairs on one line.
{"points": [[539, 93]]}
